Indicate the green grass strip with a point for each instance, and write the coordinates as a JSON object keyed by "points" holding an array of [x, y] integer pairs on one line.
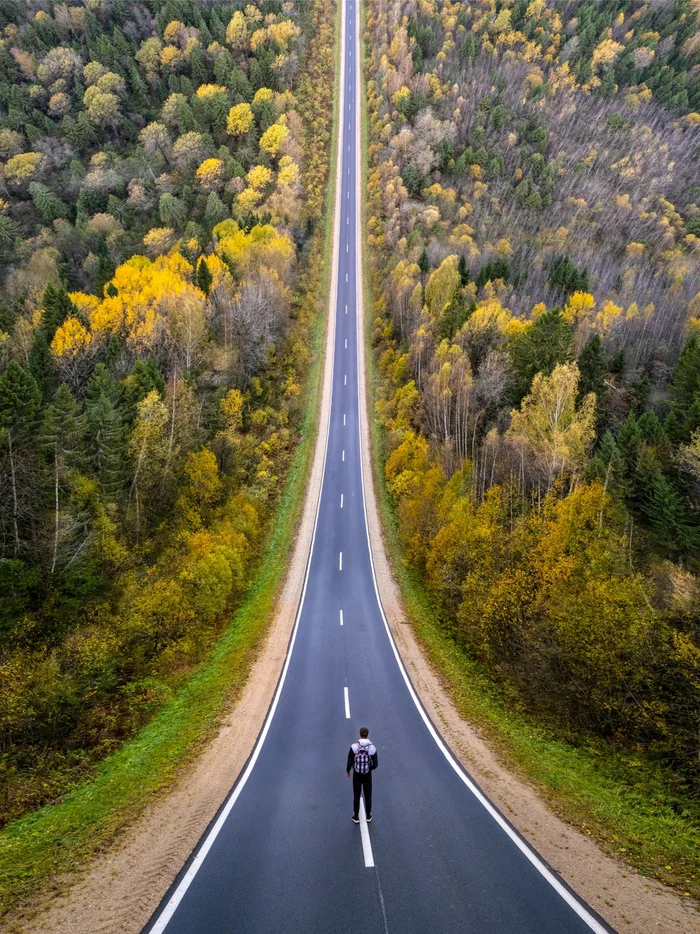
{"points": [[623, 803], [58, 838]]}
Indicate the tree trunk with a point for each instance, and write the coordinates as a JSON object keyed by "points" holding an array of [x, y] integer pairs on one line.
{"points": [[15, 501], [55, 539]]}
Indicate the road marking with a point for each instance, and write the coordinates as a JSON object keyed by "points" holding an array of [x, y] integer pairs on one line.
{"points": [[346, 309], [364, 833], [341, 617], [346, 343], [347, 704], [347, 219], [347, 247], [343, 419], [340, 568], [341, 500], [343, 455], [345, 380], [346, 277]]}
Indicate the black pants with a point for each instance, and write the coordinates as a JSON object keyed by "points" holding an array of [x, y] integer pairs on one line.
{"points": [[362, 781]]}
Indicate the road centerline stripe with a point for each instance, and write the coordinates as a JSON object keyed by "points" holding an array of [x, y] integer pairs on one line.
{"points": [[341, 500], [341, 617], [340, 565], [347, 703], [364, 833]]}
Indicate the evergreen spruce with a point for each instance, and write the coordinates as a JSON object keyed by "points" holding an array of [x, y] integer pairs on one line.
{"points": [[203, 277], [593, 368]]}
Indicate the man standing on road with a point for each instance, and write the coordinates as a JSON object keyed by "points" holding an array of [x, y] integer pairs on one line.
{"points": [[362, 760]]}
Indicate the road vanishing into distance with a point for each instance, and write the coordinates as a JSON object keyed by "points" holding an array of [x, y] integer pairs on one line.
{"points": [[283, 856]]}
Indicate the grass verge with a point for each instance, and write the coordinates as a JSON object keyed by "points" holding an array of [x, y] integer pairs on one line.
{"points": [[623, 803], [59, 838]]}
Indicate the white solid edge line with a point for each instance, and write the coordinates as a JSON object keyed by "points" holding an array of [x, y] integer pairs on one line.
{"points": [[531, 855], [170, 908], [364, 833], [347, 703]]}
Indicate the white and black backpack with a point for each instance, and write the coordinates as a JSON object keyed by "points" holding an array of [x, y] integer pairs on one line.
{"points": [[363, 761]]}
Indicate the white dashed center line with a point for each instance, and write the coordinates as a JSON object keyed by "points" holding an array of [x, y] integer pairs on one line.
{"points": [[364, 833], [347, 704]]}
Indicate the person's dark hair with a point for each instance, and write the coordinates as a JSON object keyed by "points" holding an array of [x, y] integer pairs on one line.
{"points": [[364, 732]]}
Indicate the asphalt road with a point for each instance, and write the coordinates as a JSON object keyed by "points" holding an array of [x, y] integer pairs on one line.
{"points": [[284, 855]]}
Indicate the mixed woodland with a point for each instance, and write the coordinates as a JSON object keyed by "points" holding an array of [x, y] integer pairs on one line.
{"points": [[534, 234], [163, 170]]}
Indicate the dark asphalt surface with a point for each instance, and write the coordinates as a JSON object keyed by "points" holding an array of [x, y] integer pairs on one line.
{"points": [[287, 857]]}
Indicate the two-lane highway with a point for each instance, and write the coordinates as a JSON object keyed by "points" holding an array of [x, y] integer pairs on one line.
{"points": [[283, 855]]}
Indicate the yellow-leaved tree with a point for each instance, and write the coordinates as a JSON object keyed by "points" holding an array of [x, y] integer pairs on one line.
{"points": [[549, 424], [210, 174], [148, 301], [240, 119], [442, 286], [71, 348], [274, 136]]}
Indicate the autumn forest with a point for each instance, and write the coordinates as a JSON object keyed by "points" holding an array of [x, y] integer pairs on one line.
{"points": [[163, 181], [534, 233], [533, 239]]}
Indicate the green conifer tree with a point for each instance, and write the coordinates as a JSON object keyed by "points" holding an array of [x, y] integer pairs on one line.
{"points": [[203, 277]]}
